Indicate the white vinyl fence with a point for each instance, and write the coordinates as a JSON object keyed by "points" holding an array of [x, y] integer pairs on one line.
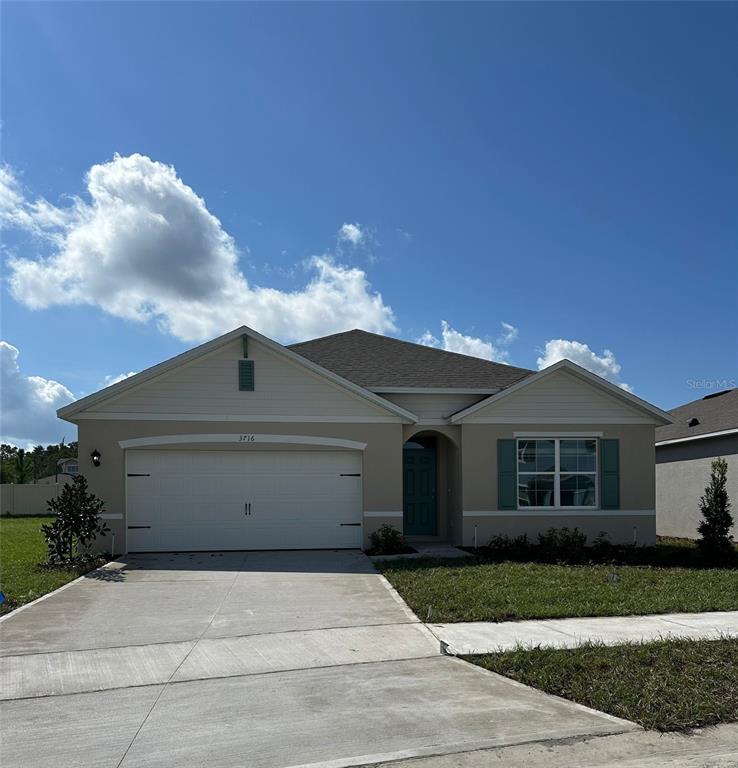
{"points": [[27, 499]]}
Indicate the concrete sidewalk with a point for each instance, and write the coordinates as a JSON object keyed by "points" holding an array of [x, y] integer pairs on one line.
{"points": [[715, 747], [487, 637]]}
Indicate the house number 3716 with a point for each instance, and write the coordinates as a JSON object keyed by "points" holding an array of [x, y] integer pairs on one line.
{"points": [[246, 439]]}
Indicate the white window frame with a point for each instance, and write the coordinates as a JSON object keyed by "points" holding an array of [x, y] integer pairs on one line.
{"points": [[557, 471]]}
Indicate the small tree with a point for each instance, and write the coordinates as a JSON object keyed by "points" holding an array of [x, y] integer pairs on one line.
{"points": [[76, 522], [20, 466], [715, 508]]}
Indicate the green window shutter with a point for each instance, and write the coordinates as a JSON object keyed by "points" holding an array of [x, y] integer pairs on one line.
{"points": [[246, 375], [610, 474], [507, 492]]}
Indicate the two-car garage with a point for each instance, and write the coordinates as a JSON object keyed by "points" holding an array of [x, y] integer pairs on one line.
{"points": [[186, 500]]}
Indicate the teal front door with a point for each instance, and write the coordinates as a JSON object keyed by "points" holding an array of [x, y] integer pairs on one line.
{"points": [[419, 489]]}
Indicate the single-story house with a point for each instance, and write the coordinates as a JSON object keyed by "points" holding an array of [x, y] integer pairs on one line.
{"points": [[702, 431], [242, 443], [67, 469]]}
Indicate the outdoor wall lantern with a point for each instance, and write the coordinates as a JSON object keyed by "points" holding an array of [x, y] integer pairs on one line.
{"points": [[95, 456]]}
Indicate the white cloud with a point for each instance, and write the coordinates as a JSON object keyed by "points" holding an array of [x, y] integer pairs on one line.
{"points": [[604, 365], [38, 217], [29, 404], [352, 233], [144, 247], [454, 341], [508, 335], [110, 380]]}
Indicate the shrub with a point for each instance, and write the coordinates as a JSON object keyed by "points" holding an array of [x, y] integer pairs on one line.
{"points": [[562, 544], [717, 521], [601, 545], [387, 540], [505, 547], [76, 523], [556, 544]]}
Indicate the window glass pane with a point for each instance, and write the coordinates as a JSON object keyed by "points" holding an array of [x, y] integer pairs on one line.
{"points": [[535, 490], [578, 490], [578, 455], [536, 456], [526, 455]]}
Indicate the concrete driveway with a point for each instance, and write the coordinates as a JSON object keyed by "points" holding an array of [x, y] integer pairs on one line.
{"points": [[268, 659]]}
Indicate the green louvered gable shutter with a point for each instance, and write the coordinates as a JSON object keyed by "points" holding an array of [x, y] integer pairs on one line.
{"points": [[610, 474], [506, 476], [246, 375]]}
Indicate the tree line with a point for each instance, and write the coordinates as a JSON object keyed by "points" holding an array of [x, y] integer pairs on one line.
{"points": [[18, 465]]}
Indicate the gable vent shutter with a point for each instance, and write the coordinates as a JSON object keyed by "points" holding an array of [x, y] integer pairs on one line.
{"points": [[506, 480], [610, 471], [246, 375]]}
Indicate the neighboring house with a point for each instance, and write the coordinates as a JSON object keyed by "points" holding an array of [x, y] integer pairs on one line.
{"points": [[68, 466], [67, 469], [702, 431], [242, 443]]}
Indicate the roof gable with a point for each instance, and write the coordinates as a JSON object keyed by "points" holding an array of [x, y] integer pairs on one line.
{"points": [[381, 363], [563, 393], [203, 382]]}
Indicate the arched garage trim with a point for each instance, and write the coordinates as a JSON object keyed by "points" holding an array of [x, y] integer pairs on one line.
{"points": [[245, 438]]}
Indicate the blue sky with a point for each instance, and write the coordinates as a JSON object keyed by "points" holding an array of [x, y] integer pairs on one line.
{"points": [[173, 170]]}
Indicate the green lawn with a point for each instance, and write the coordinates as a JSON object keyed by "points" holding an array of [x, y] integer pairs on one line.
{"points": [[472, 590], [666, 685], [22, 548]]}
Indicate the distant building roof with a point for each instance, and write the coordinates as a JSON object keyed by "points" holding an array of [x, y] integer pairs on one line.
{"points": [[375, 361], [716, 412]]}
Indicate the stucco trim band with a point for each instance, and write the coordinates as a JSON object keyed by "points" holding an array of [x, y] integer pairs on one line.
{"points": [[375, 513], [560, 513]]}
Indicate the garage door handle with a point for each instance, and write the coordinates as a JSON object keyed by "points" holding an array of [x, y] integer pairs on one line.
{"points": [[350, 474], [130, 527], [350, 524], [247, 508]]}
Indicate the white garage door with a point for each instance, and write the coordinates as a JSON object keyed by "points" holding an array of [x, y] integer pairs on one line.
{"points": [[209, 500]]}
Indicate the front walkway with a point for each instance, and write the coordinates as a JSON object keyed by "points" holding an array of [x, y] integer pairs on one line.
{"points": [[425, 549], [488, 637]]}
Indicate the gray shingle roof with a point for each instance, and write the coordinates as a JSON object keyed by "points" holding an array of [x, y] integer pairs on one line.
{"points": [[714, 412], [374, 361]]}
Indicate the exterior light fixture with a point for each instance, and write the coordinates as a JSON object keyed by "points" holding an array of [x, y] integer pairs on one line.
{"points": [[95, 456]]}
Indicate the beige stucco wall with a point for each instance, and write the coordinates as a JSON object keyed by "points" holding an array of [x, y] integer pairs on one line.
{"points": [[467, 472], [682, 473], [382, 459], [479, 483]]}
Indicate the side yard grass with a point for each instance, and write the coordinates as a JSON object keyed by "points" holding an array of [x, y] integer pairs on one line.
{"points": [[474, 590], [666, 685], [22, 548]]}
